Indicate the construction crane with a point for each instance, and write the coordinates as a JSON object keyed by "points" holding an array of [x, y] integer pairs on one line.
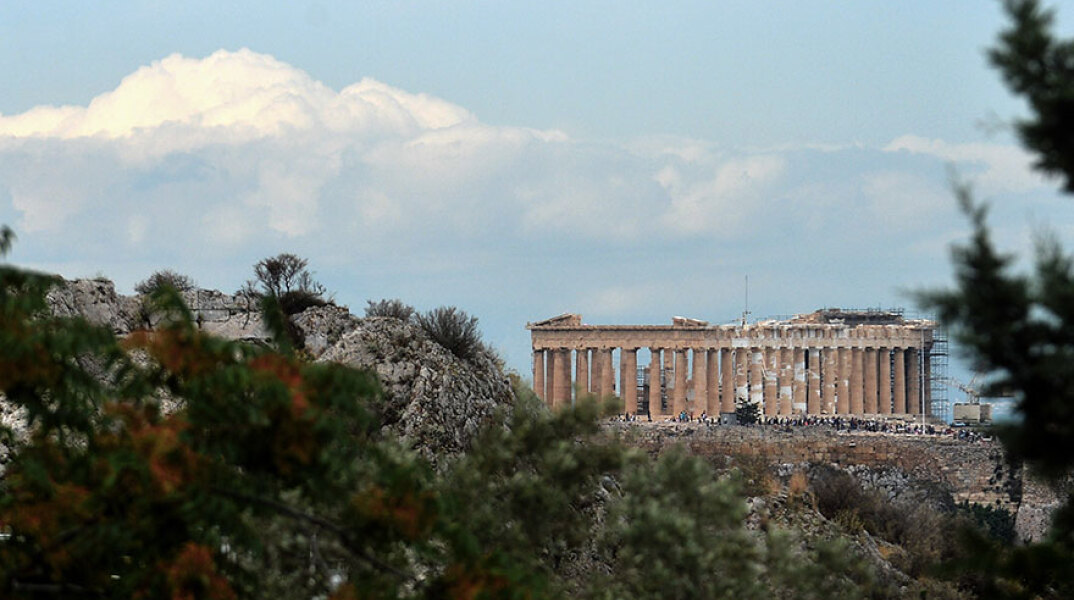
{"points": [[972, 411], [973, 394]]}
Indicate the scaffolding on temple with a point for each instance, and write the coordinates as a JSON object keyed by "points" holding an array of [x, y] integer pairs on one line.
{"points": [[938, 357]]}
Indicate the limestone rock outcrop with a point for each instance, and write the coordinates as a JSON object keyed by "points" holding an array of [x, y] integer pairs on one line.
{"points": [[96, 300], [234, 317], [434, 399], [323, 326], [1040, 501]]}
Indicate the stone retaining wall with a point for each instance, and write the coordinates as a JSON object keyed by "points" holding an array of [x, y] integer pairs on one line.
{"points": [[978, 472]]}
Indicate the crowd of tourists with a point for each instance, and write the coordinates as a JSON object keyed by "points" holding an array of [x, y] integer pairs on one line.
{"points": [[836, 422]]}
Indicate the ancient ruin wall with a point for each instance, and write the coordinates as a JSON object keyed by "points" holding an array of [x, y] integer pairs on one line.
{"points": [[859, 363]]}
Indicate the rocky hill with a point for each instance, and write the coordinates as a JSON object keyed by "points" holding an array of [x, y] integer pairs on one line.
{"points": [[434, 399], [909, 469]]}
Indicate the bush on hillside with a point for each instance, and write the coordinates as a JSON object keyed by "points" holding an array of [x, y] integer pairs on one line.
{"points": [[287, 278], [395, 309], [454, 330], [164, 278], [921, 530]]}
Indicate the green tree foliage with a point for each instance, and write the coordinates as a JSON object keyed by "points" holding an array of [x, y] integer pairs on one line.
{"points": [[1020, 328], [747, 413], [287, 278], [271, 477], [164, 277], [1040, 68], [997, 521]]}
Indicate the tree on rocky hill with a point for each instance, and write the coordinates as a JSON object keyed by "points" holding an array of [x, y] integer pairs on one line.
{"points": [[164, 277], [287, 278]]}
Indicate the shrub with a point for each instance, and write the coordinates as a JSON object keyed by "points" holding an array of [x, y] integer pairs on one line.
{"points": [[165, 277], [395, 309], [996, 521], [921, 530], [287, 278], [747, 413], [454, 330]]}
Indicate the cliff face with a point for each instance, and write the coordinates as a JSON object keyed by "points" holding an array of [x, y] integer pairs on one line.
{"points": [[435, 400], [915, 469]]}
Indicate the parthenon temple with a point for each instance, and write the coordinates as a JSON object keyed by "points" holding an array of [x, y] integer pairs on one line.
{"points": [[829, 362]]}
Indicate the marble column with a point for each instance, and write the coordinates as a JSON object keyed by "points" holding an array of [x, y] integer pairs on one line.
{"points": [[712, 382], [786, 381], [655, 409], [607, 373], [843, 393], [538, 375], [831, 379], [883, 403], [628, 379], [678, 395], [857, 362], [798, 383], [595, 370], [727, 380], [742, 384], [900, 382], [699, 362], [870, 382], [550, 377], [813, 358], [771, 382], [757, 377], [561, 393], [669, 381], [913, 381], [581, 372]]}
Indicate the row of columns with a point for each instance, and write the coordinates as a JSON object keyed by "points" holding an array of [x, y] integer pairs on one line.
{"points": [[782, 381]]}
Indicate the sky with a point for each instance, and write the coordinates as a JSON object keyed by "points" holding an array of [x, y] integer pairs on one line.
{"points": [[626, 161]]}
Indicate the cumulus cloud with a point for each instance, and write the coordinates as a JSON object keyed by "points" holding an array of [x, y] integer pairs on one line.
{"points": [[223, 159], [241, 95]]}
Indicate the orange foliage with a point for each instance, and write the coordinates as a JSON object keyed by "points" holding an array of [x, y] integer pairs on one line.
{"points": [[294, 442], [344, 592], [192, 575], [35, 367], [44, 516], [289, 374], [177, 350], [467, 583], [410, 514], [172, 463]]}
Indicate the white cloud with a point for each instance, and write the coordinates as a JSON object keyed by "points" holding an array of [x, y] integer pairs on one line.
{"points": [[235, 96], [905, 200], [261, 141], [221, 160], [993, 168], [723, 202]]}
